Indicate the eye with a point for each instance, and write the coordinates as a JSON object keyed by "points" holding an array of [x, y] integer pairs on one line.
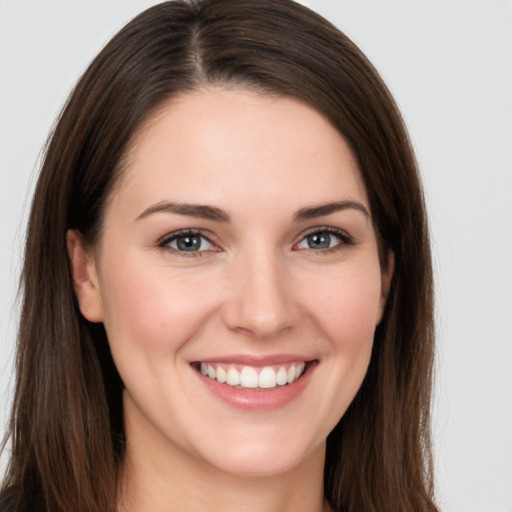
{"points": [[187, 242], [324, 239]]}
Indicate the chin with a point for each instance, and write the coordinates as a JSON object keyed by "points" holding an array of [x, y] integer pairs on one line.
{"points": [[266, 456]]}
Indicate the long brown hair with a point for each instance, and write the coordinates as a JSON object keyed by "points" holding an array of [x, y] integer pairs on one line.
{"points": [[66, 428]]}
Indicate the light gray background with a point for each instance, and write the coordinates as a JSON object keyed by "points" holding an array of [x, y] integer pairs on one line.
{"points": [[449, 65]]}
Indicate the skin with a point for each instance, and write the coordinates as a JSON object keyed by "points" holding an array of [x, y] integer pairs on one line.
{"points": [[256, 287]]}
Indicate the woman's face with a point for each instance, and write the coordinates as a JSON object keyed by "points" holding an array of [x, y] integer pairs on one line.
{"points": [[239, 243]]}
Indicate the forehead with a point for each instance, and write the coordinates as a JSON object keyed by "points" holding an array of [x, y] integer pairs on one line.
{"points": [[206, 145]]}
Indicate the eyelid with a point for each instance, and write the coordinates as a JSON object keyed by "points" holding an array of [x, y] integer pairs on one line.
{"points": [[346, 238], [164, 241]]}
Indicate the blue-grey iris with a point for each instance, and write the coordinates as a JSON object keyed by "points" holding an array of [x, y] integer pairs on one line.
{"points": [[319, 241], [188, 242]]}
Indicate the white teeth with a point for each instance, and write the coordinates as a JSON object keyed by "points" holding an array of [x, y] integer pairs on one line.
{"points": [[299, 369], [248, 377], [221, 375], [282, 376], [233, 377], [269, 377], [211, 372]]}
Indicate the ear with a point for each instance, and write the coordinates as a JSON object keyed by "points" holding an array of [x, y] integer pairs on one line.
{"points": [[85, 277], [388, 267]]}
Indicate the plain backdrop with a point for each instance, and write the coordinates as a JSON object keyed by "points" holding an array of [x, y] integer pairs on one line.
{"points": [[449, 65]]}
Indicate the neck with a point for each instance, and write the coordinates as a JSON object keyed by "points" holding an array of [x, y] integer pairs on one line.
{"points": [[161, 478]]}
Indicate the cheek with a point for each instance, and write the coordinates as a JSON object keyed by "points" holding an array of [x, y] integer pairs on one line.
{"points": [[347, 304], [147, 307], [347, 309]]}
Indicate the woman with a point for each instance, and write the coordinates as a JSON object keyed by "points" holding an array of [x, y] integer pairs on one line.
{"points": [[227, 281]]}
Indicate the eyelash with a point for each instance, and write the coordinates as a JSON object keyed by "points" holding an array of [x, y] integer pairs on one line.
{"points": [[344, 238], [167, 239]]}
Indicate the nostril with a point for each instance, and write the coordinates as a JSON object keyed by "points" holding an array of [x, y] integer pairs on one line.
{"points": [[251, 319]]}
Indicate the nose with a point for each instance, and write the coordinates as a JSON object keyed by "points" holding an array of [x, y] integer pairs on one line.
{"points": [[261, 301]]}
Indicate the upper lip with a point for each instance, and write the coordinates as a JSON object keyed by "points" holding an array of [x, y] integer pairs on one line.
{"points": [[256, 360]]}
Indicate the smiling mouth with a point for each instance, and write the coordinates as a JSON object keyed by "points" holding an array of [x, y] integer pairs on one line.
{"points": [[254, 378]]}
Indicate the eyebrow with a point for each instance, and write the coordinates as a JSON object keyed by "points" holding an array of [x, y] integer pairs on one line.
{"points": [[200, 211], [328, 208]]}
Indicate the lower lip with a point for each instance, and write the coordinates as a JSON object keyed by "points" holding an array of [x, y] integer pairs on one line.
{"points": [[259, 399]]}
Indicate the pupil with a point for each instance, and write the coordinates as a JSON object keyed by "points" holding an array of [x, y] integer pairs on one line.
{"points": [[319, 241], [188, 243]]}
